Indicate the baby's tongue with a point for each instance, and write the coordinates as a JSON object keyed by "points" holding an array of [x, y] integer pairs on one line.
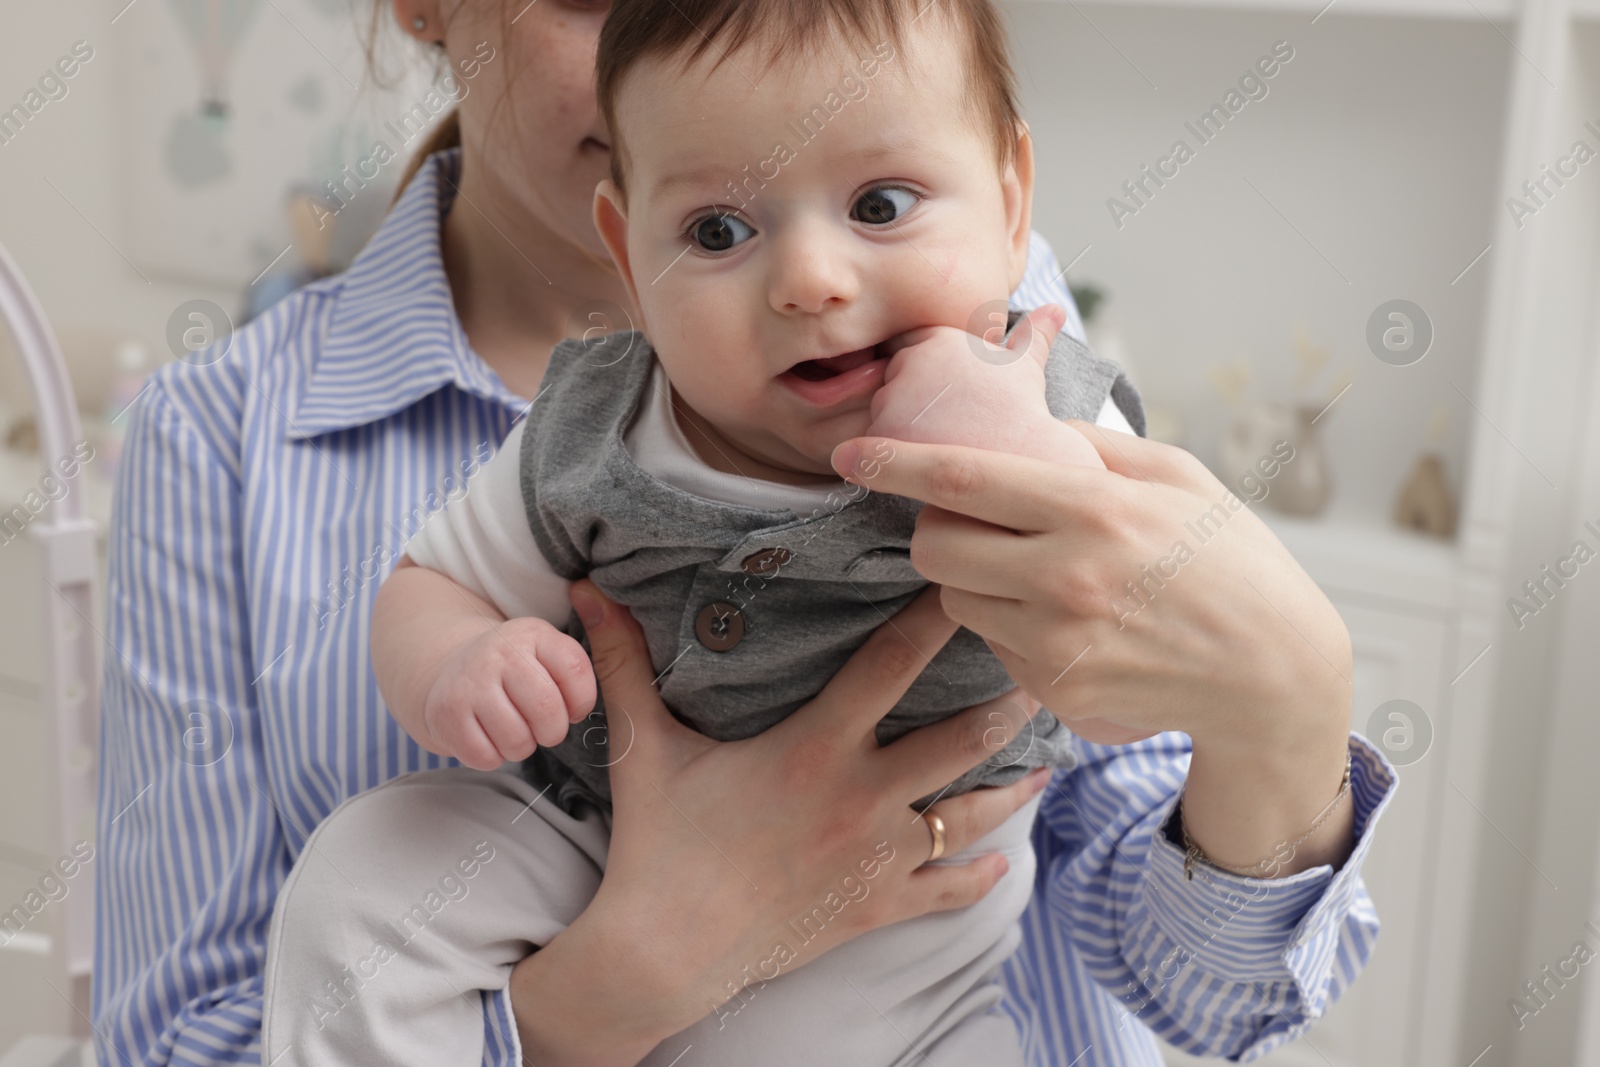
{"points": [[815, 370]]}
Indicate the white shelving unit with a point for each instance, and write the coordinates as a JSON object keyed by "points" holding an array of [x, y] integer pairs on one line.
{"points": [[1378, 166]]}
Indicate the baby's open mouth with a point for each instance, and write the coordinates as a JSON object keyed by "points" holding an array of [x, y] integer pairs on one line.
{"points": [[817, 370], [832, 380]]}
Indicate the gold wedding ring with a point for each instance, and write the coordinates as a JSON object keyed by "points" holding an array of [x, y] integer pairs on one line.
{"points": [[936, 826]]}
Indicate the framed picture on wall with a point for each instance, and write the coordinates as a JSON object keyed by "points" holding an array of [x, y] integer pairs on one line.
{"points": [[230, 109]]}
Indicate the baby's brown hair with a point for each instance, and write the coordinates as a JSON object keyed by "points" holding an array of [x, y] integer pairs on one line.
{"points": [[640, 30]]}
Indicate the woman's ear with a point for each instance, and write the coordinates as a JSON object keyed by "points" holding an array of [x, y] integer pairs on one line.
{"points": [[1016, 182], [421, 19], [611, 222]]}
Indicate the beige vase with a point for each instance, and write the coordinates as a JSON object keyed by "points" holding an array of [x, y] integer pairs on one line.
{"points": [[1303, 485]]}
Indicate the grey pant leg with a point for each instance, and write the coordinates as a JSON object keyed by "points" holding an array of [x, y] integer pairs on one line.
{"points": [[924, 992], [409, 899], [381, 939]]}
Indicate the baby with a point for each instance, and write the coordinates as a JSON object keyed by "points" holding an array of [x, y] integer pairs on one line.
{"points": [[819, 211]]}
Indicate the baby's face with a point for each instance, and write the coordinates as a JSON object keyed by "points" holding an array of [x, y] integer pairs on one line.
{"points": [[769, 269]]}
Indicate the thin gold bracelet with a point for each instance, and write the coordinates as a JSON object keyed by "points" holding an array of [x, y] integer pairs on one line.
{"points": [[1277, 859]]}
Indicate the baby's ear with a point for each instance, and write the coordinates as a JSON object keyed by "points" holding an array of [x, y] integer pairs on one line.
{"points": [[611, 222], [1016, 181]]}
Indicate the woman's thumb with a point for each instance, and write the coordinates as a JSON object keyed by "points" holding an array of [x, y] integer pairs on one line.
{"points": [[622, 667], [616, 644]]}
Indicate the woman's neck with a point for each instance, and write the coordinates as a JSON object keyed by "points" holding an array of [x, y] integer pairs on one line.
{"points": [[516, 283]]}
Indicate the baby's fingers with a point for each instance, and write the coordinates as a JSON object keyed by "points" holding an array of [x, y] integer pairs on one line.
{"points": [[462, 737], [536, 700], [502, 723], [908, 339], [572, 673], [1036, 331]]}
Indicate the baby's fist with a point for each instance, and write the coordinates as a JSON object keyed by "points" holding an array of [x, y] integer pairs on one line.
{"points": [[946, 386], [507, 691]]}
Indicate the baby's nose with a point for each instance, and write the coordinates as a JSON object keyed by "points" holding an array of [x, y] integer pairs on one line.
{"points": [[812, 273]]}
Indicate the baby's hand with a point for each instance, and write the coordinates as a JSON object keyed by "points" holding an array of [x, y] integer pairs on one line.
{"points": [[505, 692], [946, 386]]}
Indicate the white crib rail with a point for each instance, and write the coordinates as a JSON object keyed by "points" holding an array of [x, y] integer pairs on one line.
{"points": [[71, 641]]}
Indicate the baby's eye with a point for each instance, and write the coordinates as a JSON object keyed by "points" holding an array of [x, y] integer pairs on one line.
{"points": [[718, 233], [882, 204]]}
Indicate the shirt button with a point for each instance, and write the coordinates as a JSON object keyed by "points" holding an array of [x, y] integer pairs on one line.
{"points": [[719, 626], [767, 561]]}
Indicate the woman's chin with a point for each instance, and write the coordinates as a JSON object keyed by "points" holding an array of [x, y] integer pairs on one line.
{"points": [[1101, 732]]}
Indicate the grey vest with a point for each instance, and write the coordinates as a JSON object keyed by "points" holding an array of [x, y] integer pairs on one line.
{"points": [[748, 612]]}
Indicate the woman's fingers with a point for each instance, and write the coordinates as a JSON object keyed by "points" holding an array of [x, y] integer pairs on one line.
{"points": [[623, 669], [967, 818], [942, 888], [876, 675], [970, 816], [1147, 460], [955, 550], [1106, 732], [931, 757], [998, 487], [1016, 491], [1000, 620]]}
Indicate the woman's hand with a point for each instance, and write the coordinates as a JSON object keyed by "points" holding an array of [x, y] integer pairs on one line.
{"points": [[996, 401], [1140, 596], [716, 846]]}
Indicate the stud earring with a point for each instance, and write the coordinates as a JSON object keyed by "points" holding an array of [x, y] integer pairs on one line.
{"points": [[419, 23]]}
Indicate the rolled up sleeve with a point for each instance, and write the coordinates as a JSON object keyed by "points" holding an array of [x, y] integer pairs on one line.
{"points": [[1220, 966]]}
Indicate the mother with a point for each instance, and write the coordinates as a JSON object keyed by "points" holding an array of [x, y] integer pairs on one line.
{"points": [[263, 495]]}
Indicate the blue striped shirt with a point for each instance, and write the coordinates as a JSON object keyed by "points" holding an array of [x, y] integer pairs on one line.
{"points": [[263, 494]]}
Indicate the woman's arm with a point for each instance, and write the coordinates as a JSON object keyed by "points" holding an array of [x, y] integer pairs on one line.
{"points": [[1232, 644], [1270, 729], [1218, 966], [184, 888], [1218, 794]]}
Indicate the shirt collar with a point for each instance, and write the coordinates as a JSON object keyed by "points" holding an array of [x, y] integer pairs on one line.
{"points": [[393, 336]]}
